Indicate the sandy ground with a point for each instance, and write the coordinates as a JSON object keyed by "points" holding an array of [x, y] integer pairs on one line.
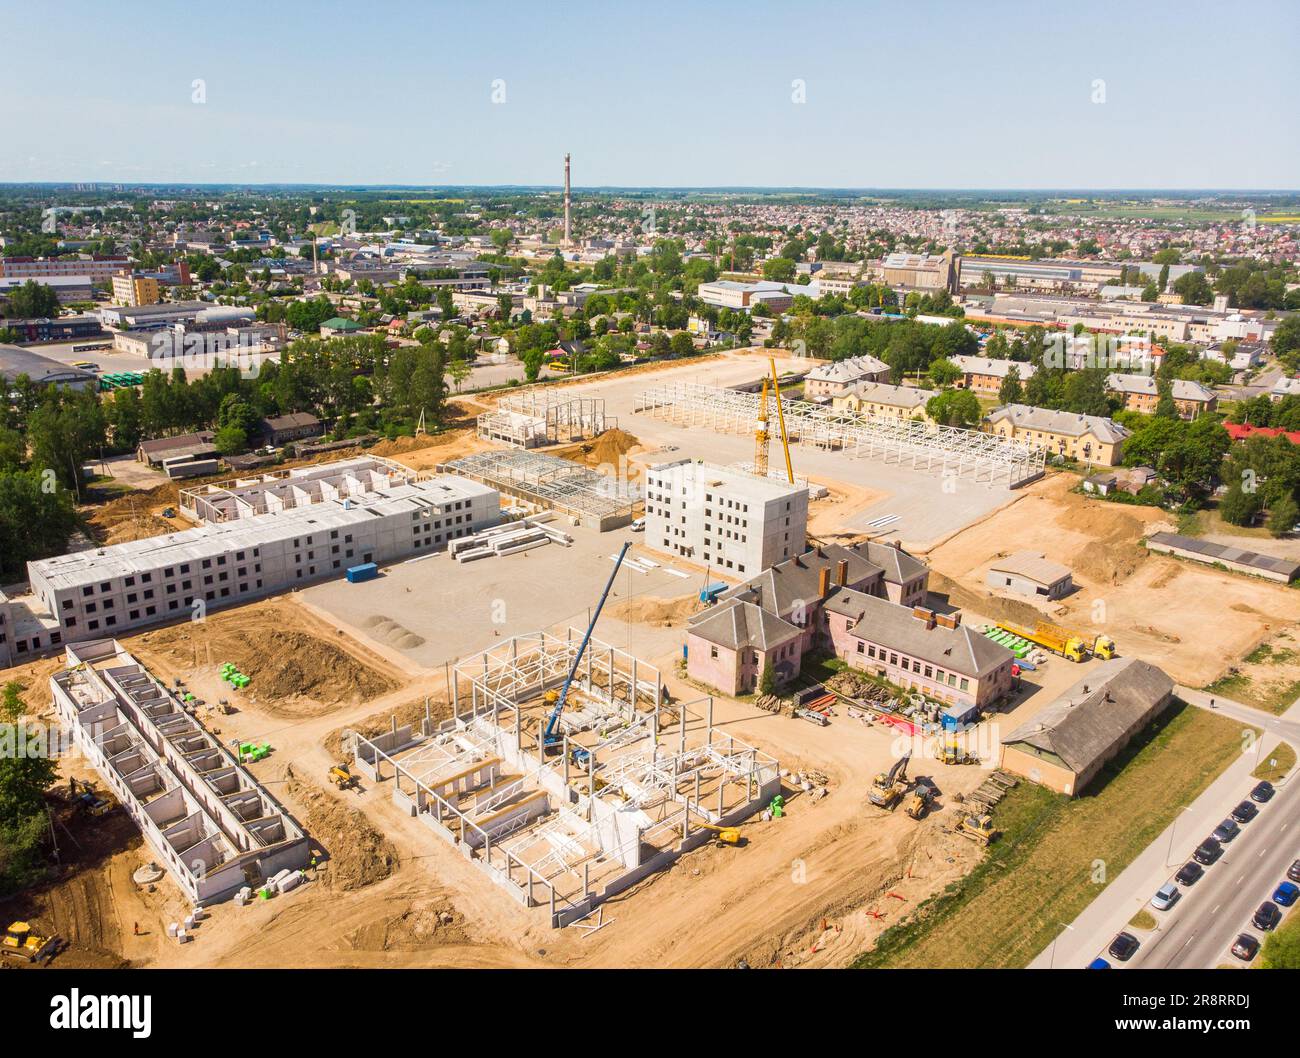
{"points": [[1193, 621]]}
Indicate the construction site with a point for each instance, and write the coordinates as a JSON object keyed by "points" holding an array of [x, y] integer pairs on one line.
{"points": [[462, 782]]}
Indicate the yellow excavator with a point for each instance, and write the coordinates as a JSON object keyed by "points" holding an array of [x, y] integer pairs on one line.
{"points": [[19, 941], [887, 788]]}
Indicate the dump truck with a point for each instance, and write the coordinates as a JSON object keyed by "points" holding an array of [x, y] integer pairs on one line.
{"points": [[1059, 640], [20, 942], [887, 788]]}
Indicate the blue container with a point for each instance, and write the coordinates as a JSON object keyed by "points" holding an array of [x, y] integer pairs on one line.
{"points": [[356, 574]]}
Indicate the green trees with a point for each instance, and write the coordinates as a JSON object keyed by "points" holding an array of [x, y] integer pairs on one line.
{"points": [[1282, 947], [1238, 506], [780, 269], [1194, 288], [1011, 392], [954, 407], [27, 771], [33, 300], [943, 372], [1286, 341], [36, 518]]}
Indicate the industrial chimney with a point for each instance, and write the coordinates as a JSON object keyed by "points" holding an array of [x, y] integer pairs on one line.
{"points": [[568, 229]]}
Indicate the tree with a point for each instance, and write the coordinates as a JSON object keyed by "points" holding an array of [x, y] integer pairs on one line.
{"points": [[36, 518], [682, 345], [1286, 341], [1165, 406], [943, 372], [767, 679], [459, 371], [780, 269], [1282, 946], [24, 778], [954, 407], [230, 440], [1239, 507], [33, 300], [1283, 515], [1194, 288], [1011, 392]]}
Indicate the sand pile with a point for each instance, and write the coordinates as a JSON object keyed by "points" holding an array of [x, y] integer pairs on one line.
{"points": [[1113, 553], [424, 922], [359, 855], [609, 449], [131, 517], [389, 632], [657, 612]]}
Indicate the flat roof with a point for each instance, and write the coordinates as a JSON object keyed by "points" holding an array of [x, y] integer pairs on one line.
{"points": [[1225, 553], [15, 361]]}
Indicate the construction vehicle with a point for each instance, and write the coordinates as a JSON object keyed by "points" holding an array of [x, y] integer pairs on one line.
{"points": [[1058, 640], [887, 788], [951, 753], [726, 835], [20, 942], [977, 828], [922, 797], [552, 740], [341, 776]]}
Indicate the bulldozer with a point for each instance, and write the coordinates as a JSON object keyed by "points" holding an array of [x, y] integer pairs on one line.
{"points": [[918, 804], [887, 788], [341, 776], [20, 942], [977, 828]]}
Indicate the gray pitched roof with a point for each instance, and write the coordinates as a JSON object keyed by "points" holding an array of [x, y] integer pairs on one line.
{"points": [[1067, 423], [1096, 714], [1180, 388], [797, 579], [737, 624], [961, 649]]}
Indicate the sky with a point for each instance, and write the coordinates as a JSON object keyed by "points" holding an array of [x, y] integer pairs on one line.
{"points": [[917, 94]]}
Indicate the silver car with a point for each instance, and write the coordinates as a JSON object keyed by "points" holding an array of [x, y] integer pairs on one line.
{"points": [[1166, 896]]}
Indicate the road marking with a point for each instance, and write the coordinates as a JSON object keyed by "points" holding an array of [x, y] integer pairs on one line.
{"points": [[1261, 852], [1216, 908]]}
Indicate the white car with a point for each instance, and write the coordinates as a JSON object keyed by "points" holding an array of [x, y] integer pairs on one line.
{"points": [[1166, 897], [638, 526]]}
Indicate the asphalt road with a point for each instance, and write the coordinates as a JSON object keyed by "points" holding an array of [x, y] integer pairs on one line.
{"points": [[1091, 932]]}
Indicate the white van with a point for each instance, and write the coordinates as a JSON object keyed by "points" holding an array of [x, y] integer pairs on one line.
{"points": [[638, 526]]}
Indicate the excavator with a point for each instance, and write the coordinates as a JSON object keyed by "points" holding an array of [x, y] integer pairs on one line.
{"points": [[887, 788], [21, 942]]}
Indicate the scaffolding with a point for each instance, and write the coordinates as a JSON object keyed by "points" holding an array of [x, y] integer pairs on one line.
{"points": [[635, 783], [540, 417], [942, 450], [550, 483]]}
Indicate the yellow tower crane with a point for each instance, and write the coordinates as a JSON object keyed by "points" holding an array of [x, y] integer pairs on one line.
{"points": [[760, 435], [780, 418]]}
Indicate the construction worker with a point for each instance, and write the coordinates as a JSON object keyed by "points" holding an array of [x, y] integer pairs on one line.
{"points": [[135, 929]]}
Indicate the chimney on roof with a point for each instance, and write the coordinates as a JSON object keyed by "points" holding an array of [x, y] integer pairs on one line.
{"points": [[922, 613], [823, 582], [842, 572]]}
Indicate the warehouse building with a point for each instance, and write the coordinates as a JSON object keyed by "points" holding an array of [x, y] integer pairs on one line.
{"points": [[723, 518], [259, 537], [1030, 573], [16, 362], [1068, 743], [1270, 567]]}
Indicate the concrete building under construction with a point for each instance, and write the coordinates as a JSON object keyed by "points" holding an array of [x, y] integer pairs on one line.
{"points": [[624, 786]]}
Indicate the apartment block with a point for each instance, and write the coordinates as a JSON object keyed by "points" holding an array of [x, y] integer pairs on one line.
{"points": [[724, 518], [258, 536], [1142, 393], [133, 290], [1086, 438]]}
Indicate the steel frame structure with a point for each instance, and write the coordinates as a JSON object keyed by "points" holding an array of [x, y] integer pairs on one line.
{"points": [[919, 445], [538, 417], [551, 482]]}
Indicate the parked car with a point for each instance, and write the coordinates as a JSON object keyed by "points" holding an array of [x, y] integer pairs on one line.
{"points": [[1123, 946], [1190, 873], [1262, 792], [1267, 915], [1207, 852], [1226, 831], [1286, 893], [1099, 964], [1293, 872], [1166, 896], [1245, 812], [1245, 947]]}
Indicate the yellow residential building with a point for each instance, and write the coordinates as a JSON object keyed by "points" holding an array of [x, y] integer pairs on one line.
{"points": [[880, 398], [1084, 438]]}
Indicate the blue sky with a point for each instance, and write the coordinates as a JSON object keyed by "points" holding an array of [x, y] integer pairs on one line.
{"points": [[926, 93]]}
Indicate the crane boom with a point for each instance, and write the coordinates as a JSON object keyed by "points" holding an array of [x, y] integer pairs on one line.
{"points": [[549, 738], [761, 435], [780, 418]]}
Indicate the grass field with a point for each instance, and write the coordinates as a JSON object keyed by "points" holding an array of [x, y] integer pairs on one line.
{"points": [[1273, 696], [1056, 854], [1284, 756]]}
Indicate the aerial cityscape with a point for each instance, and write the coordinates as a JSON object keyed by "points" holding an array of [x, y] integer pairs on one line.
{"points": [[550, 505]]}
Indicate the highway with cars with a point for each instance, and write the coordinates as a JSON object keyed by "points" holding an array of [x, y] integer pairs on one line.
{"points": [[1198, 929]]}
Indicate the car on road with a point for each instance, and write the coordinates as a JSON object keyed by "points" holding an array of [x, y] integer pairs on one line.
{"points": [[1293, 872], [1190, 873], [1245, 812], [1207, 852], [1226, 831], [1123, 946], [1099, 964], [1166, 896], [1267, 915], [1286, 893], [1245, 947], [1263, 792]]}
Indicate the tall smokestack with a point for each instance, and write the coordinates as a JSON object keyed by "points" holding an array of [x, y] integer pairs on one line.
{"points": [[568, 231]]}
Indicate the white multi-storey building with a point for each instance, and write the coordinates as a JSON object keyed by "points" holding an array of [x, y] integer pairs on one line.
{"points": [[724, 518]]}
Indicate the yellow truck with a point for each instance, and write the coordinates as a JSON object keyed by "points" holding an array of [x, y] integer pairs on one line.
{"points": [[1062, 641]]}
